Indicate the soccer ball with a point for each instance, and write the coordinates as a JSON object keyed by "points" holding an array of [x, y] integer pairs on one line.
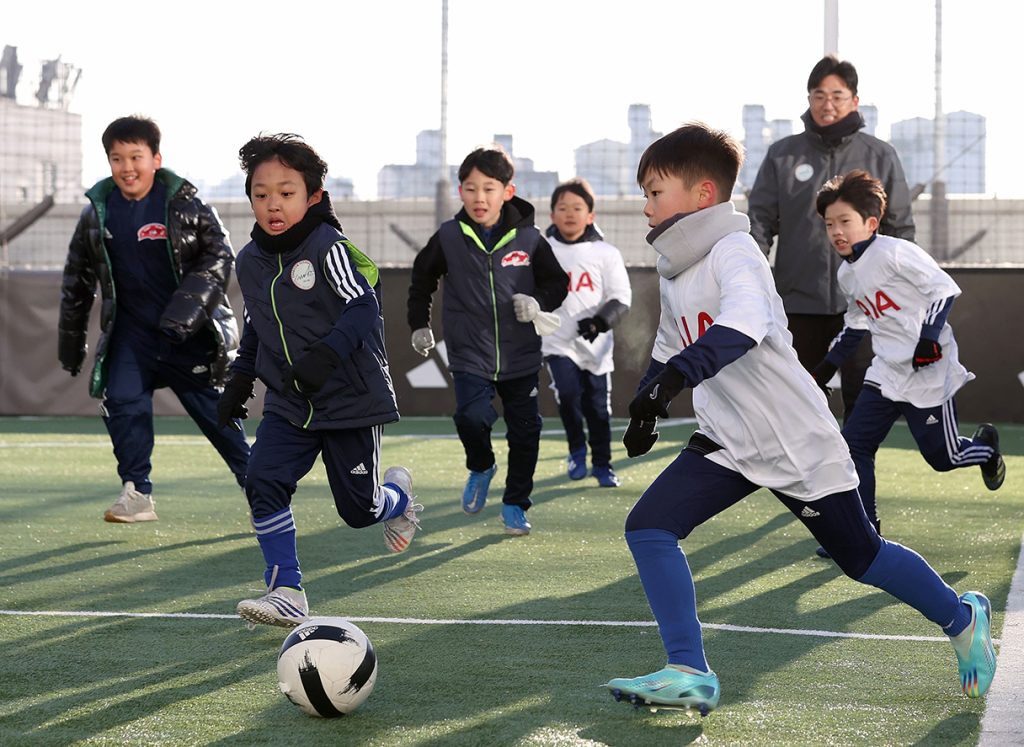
{"points": [[327, 667]]}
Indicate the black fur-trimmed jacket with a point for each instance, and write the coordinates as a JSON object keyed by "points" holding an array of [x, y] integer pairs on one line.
{"points": [[200, 254]]}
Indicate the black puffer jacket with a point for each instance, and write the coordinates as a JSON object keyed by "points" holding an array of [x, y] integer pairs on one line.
{"points": [[202, 259]]}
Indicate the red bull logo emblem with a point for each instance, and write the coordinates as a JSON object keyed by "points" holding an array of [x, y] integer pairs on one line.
{"points": [[153, 231], [516, 258]]}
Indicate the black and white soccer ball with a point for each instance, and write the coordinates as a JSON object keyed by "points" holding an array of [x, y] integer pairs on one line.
{"points": [[327, 667]]}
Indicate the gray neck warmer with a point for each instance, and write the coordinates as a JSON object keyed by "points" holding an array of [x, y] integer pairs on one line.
{"points": [[683, 240]]}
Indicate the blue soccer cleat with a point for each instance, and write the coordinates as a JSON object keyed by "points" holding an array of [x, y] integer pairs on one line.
{"points": [[576, 465], [671, 688], [606, 476], [976, 659], [474, 495], [515, 520]]}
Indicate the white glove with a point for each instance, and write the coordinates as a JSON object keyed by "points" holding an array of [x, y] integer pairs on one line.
{"points": [[526, 307], [423, 341], [547, 322]]}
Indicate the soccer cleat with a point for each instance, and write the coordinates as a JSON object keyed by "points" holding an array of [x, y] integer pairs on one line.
{"points": [[976, 659], [671, 687], [474, 495], [993, 472], [606, 476], [131, 506], [283, 606], [576, 465], [399, 531], [515, 520]]}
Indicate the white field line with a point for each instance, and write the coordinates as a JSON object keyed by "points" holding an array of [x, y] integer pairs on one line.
{"points": [[1002, 724], [499, 622], [100, 441]]}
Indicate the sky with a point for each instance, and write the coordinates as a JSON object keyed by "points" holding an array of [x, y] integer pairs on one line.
{"points": [[358, 79]]}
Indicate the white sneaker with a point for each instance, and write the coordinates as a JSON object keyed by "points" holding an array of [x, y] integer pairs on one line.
{"points": [[283, 607], [131, 506], [399, 531]]}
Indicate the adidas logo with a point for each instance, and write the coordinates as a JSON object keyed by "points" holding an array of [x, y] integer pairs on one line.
{"points": [[932, 420], [809, 512], [359, 469]]}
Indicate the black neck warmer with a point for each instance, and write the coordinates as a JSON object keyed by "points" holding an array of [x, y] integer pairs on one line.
{"points": [[282, 243], [834, 133]]}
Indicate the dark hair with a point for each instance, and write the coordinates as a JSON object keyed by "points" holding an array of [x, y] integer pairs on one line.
{"points": [[858, 189], [577, 186], [831, 65], [693, 152], [133, 129], [289, 149], [491, 161]]}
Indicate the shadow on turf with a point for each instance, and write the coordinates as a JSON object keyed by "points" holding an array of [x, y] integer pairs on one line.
{"points": [[148, 656]]}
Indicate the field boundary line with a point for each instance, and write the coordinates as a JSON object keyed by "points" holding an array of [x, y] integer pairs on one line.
{"points": [[1002, 724], [511, 622]]}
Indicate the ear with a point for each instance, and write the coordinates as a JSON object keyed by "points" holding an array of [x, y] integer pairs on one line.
{"points": [[510, 190], [157, 160], [872, 223], [708, 194], [315, 198]]}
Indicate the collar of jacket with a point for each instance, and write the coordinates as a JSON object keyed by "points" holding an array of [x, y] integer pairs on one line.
{"points": [[685, 239], [590, 233], [99, 192], [859, 248], [835, 133], [515, 213]]}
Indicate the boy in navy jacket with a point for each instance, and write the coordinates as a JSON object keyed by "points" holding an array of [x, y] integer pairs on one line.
{"points": [[501, 282], [314, 334]]}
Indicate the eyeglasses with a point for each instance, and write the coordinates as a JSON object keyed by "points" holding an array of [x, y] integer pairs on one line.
{"points": [[820, 98]]}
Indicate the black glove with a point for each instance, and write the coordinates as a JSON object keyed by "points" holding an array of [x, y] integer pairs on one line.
{"points": [[652, 401], [71, 353], [231, 405], [311, 370], [591, 327], [926, 353], [639, 437], [823, 374]]}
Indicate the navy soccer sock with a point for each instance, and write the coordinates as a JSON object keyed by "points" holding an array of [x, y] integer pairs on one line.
{"points": [[903, 573], [668, 584], [394, 501], [276, 535]]}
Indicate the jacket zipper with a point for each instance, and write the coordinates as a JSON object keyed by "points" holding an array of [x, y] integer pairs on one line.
{"points": [[280, 329]]}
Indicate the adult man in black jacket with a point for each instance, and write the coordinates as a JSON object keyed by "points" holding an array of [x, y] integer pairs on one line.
{"points": [[782, 204], [162, 260]]}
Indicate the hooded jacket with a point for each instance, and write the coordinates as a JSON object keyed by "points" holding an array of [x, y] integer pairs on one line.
{"points": [[322, 290], [200, 255], [481, 332], [782, 204]]}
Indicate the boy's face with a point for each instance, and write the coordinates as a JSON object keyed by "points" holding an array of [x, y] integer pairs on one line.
{"points": [[667, 196], [846, 227], [831, 101], [278, 196], [133, 167], [483, 197], [571, 216]]}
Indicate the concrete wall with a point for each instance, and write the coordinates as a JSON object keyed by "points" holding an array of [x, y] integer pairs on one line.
{"points": [[31, 382], [994, 226]]}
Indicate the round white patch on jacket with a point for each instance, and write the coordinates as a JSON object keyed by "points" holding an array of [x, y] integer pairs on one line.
{"points": [[803, 172], [303, 275]]}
